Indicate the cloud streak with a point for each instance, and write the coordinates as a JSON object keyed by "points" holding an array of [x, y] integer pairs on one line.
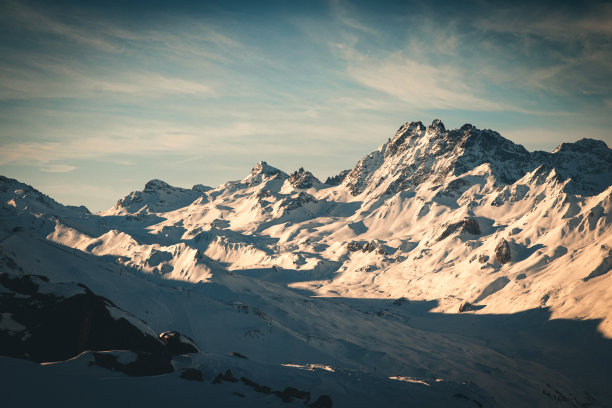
{"points": [[418, 83], [58, 168], [108, 88]]}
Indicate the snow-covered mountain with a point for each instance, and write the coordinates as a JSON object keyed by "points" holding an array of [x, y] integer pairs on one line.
{"points": [[447, 268]]}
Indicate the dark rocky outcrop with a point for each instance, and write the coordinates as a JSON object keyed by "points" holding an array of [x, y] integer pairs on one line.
{"points": [[292, 203], [303, 179], [143, 363], [465, 307], [288, 395], [502, 252], [56, 321], [225, 377], [417, 154], [337, 179], [400, 301], [177, 343], [191, 374], [354, 246], [373, 245], [263, 168], [324, 401], [469, 225], [264, 389]]}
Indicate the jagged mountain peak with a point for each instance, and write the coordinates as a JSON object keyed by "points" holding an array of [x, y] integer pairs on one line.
{"points": [[303, 179], [405, 134], [263, 172], [418, 154], [437, 126], [263, 167], [456, 237], [337, 179]]}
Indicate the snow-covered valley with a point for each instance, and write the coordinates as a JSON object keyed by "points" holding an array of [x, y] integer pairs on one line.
{"points": [[447, 268]]}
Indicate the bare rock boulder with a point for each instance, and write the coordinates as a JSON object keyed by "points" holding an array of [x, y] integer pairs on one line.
{"points": [[502, 252]]}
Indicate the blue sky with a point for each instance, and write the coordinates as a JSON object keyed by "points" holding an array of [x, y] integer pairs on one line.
{"points": [[96, 98]]}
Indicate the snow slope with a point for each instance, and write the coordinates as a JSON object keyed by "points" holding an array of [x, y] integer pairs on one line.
{"points": [[362, 276]]}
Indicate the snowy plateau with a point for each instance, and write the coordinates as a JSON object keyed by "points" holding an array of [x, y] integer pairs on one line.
{"points": [[448, 268]]}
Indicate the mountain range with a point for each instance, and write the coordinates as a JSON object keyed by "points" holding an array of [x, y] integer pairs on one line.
{"points": [[447, 268]]}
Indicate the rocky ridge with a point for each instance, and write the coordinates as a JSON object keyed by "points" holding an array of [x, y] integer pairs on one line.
{"points": [[453, 220]]}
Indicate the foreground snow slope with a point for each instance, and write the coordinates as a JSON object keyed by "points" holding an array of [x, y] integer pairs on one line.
{"points": [[364, 275]]}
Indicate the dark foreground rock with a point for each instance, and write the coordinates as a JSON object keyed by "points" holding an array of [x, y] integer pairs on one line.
{"points": [[288, 395], [44, 321], [134, 363], [192, 374]]}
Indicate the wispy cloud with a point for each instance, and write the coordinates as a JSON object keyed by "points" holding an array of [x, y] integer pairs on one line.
{"points": [[565, 50], [342, 12], [417, 82], [124, 139], [47, 78], [35, 20], [58, 168], [565, 23]]}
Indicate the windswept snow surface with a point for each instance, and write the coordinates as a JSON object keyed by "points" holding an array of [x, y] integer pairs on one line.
{"points": [[350, 290]]}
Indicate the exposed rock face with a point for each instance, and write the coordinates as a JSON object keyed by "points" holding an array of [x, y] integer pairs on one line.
{"points": [[303, 179], [177, 343], [354, 246], [483, 258], [292, 203], [466, 307], [192, 374], [337, 179], [288, 395], [374, 245], [324, 401], [225, 377], [468, 225], [418, 154], [454, 188], [502, 252], [471, 227], [43, 321], [263, 170], [159, 196], [370, 246], [263, 167], [201, 188], [140, 363], [400, 301]]}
